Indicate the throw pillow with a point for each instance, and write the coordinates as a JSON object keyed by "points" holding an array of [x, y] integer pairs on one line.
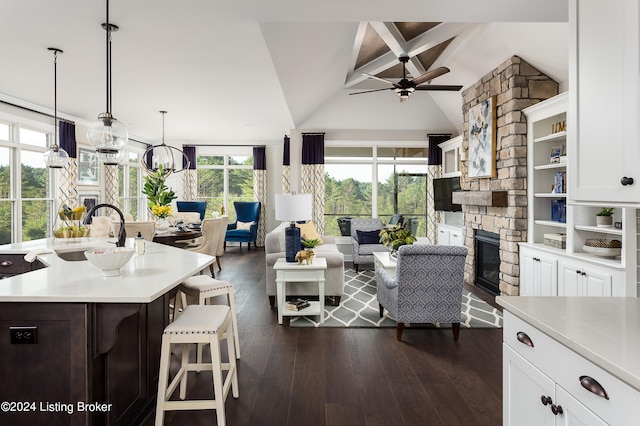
{"points": [[244, 225], [368, 237], [308, 231]]}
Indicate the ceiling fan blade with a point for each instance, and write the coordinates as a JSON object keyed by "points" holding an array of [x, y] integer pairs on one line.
{"points": [[436, 87], [375, 77], [369, 91], [430, 75]]}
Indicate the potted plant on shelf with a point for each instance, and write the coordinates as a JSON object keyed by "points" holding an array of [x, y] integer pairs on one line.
{"points": [[394, 237], [604, 218]]}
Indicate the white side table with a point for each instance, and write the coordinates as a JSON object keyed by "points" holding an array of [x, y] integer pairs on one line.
{"points": [[290, 272]]}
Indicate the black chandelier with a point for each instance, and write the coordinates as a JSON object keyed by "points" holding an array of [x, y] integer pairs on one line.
{"points": [[164, 158]]}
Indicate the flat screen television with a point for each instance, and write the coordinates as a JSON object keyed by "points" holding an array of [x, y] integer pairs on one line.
{"points": [[442, 190]]}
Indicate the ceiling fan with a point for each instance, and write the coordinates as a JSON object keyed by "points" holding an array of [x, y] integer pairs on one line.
{"points": [[404, 88]]}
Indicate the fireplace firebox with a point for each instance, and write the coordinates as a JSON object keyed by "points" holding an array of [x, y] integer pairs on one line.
{"points": [[487, 261]]}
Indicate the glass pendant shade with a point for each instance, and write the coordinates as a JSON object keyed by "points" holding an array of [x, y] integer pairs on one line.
{"points": [[111, 158], [56, 157], [107, 135]]}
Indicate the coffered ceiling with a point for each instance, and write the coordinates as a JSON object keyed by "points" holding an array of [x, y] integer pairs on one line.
{"points": [[253, 70]]}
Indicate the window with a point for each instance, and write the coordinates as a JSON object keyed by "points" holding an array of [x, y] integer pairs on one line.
{"points": [[25, 182], [130, 182], [400, 174], [225, 175]]}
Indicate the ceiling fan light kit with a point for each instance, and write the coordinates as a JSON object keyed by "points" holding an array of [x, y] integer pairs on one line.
{"points": [[405, 87], [108, 135], [55, 157]]}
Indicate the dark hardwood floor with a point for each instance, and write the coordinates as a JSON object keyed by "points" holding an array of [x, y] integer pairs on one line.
{"points": [[336, 376]]}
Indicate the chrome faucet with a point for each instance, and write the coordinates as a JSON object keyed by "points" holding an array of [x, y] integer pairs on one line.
{"points": [[122, 235]]}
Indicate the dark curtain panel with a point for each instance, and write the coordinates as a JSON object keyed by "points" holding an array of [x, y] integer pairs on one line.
{"points": [[149, 159], [286, 156], [259, 158], [189, 153], [313, 148], [435, 153], [67, 135]]}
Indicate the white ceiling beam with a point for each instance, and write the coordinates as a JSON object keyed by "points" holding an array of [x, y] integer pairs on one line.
{"points": [[435, 36], [357, 44], [374, 67], [389, 33]]}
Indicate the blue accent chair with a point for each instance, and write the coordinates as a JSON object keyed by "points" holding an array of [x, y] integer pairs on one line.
{"points": [[192, 206], [246, 211]]}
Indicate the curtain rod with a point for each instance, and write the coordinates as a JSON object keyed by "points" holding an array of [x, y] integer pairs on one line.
{"points": [[36, 111], [314, 133]]}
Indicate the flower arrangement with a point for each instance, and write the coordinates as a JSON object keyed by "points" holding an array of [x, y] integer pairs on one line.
{"points": [[161, 211], [158, 193]]}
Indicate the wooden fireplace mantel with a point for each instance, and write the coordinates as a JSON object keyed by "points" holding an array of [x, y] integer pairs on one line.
{"points": [[481, 198]]}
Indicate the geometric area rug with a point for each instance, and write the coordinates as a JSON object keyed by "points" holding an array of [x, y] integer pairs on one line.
{"points": [[359, 308]]}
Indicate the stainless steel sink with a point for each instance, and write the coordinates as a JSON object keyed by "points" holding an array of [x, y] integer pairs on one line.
{"points": [[72, 256]]}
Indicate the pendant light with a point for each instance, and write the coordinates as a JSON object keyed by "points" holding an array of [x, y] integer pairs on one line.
{"points": [[55, 157], [164, 157], [107, 135]]}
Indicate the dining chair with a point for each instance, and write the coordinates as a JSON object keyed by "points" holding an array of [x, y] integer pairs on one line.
{"points": [[146, 228], [212, 242], [100, 227]]}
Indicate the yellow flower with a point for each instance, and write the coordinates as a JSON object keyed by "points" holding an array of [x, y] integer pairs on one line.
{"points": [[161, 211]]}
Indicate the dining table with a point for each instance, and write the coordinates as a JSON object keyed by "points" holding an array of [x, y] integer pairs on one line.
{"points": [[172, 235]]}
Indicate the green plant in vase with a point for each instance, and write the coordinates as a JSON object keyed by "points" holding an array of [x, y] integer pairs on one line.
{"points": [[604, 218], [395, 237], [156, 190]]}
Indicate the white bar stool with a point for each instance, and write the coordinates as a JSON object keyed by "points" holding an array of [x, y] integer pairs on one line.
{"points": [[203, 287], [198, 324]]}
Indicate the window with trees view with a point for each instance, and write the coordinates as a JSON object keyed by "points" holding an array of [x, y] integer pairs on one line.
{"points": [[225, 175], [130, 183], [25, 189], [400, 174]]}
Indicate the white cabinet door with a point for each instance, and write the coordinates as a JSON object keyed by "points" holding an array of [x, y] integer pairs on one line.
{"points": [[539, 273], [524, 386], [455, 238], [573, 412], [443, 236], [577, 279], [603, 124]]}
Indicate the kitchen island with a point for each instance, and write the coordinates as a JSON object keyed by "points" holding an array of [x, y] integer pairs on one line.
{"points": [[574, 358], [83, 349]]}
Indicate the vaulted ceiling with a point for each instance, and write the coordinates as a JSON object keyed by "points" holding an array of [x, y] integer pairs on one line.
{"points": [[252, 70]]}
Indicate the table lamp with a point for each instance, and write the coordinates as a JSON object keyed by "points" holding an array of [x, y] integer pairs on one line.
{"points": [[292, 208]]}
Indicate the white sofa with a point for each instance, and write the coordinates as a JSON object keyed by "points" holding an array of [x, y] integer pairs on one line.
{"points": [[334, 275]]}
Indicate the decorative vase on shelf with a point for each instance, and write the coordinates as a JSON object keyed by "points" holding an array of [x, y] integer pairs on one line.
{"points": [[604, 221]]}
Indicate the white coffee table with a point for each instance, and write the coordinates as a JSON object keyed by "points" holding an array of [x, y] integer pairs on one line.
{"points": [[382, 260], [291, 272]]}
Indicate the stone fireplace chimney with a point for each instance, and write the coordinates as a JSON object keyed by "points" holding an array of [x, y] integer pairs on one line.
{"points": [[516, 85]]}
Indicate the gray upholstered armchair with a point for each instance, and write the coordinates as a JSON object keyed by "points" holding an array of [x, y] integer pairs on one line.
{"points": [[365, 240], [427, 287]]}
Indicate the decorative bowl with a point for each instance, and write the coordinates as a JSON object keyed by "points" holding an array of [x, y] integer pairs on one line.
{"points": [[602, 251], [71, 232], [109, 260]]}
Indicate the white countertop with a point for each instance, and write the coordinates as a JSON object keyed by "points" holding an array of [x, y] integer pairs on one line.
{"points": [[144, 278], [604, 330]]}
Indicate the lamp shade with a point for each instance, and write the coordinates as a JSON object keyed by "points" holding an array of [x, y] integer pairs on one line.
{"points": [[293, 207]]}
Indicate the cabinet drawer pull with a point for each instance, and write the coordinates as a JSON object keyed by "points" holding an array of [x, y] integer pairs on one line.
{"points": [[6, 263], [592, 385], [626, 181], [524, 338], [556, 409], [546, 400]]}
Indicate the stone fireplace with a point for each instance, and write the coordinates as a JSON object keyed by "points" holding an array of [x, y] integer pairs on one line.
{"points": [[499, 205]]}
